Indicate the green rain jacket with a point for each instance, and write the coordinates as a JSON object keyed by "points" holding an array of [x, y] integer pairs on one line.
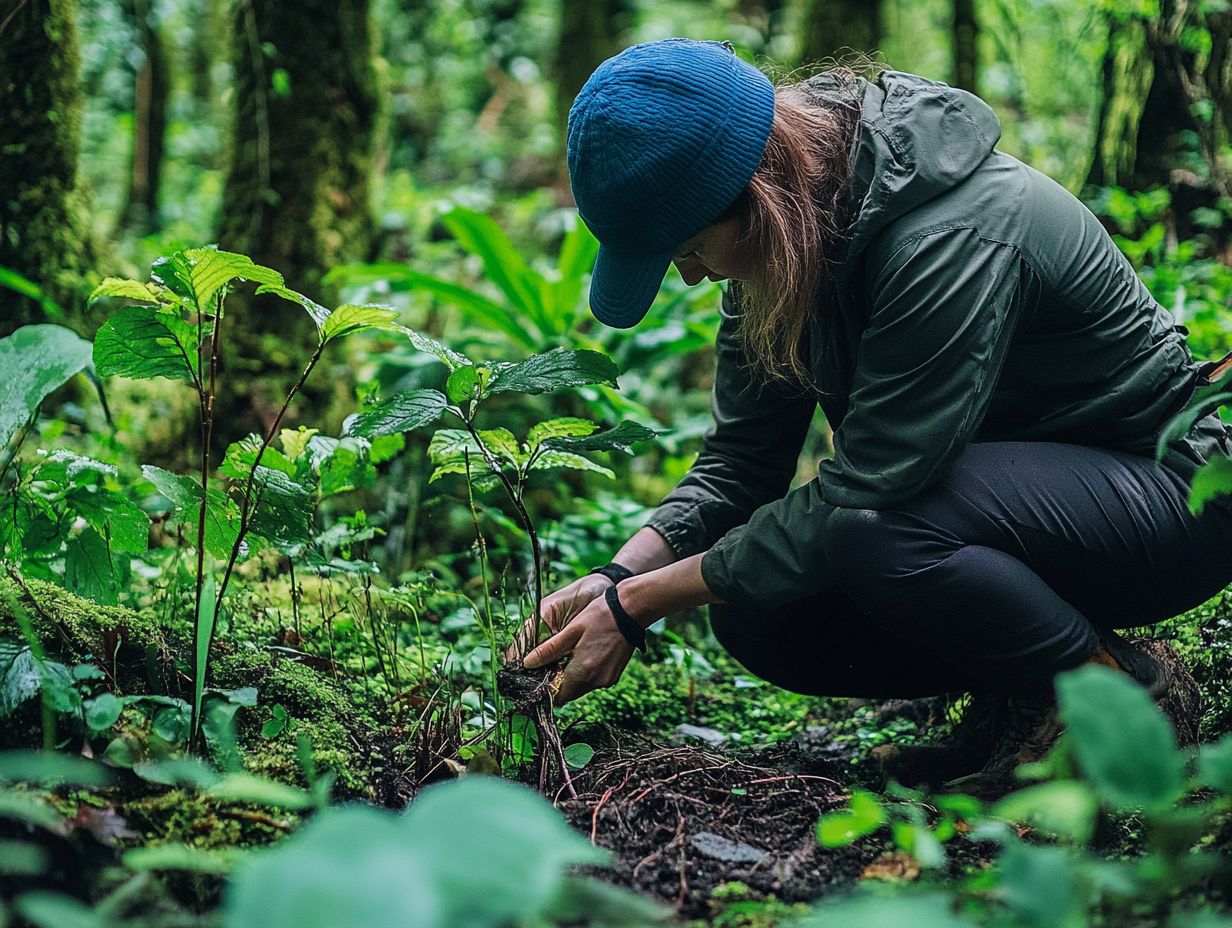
{"points": [[978, 300]]}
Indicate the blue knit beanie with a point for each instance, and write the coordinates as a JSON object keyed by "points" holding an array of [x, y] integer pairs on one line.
{"points": [[662, 139]]}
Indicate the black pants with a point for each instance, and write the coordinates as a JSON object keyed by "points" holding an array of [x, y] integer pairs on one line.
{"points": [[994, 578]]}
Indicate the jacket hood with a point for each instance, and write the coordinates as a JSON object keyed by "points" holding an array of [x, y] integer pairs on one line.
{"points": [[916, 139]]}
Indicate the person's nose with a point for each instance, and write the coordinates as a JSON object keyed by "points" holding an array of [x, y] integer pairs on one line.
{"points": [[692, 272]]}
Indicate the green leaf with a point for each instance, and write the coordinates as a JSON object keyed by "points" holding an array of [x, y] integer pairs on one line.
{"points": [[1062, 807], [109, 512], [50, 768], [11, 280], [88, 570], [178, 771], [463, 385], [35, 361], [216, 861], [212, 270], [1211, 481], [66, 468], [114, 287], [553, 370], [294, 441], [351, 318], [142, 343], [221, 514], [346, 467], [547, 460], [29, 809], [22, 676], [619, 438], [402, 412], [1215, 765], [315, 310], [502, 443], [244, 787], [102, 712], [242, 454], [1124, 744], [281, 509], [45, 909], [863, 816], [452, 359], [203, 631], [565, 427], [908, 909], [578, 755], [503, 264]]}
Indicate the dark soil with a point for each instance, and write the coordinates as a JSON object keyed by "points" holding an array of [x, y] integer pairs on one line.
{"points": [[682, 820]]}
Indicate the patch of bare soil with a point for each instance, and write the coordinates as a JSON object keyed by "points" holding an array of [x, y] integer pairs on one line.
{"points": [[681, 820]]}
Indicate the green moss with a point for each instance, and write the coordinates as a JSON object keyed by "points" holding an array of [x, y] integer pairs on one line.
{"points": [[185, 816], [320, 711]]}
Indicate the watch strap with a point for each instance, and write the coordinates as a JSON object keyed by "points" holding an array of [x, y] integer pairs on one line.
{"points": [[613, 571], [628, 626]]}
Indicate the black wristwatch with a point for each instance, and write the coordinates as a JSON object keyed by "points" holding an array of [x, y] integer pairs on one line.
{"points": [[613, 571], [632, 632]]}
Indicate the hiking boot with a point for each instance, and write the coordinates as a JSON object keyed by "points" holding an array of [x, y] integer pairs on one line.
{"points": [[965, 750], [1032, 724]]}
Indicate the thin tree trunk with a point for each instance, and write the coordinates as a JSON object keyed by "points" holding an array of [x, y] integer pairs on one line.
{"points": [[149, 125], [43, 231], [966, 46], [835, 28], [589, 35]]}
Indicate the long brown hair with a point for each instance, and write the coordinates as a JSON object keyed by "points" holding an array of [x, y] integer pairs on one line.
{"points": [[792, 214]]}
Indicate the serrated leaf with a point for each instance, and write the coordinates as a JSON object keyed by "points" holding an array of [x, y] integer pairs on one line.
{"points": [[547, 460], [619, 438], [502, 443], [113, 515], [463, 384], [553, 370], [35, 361], [213, 269], [88, 570], [67, 467], [117, 288], [243, 453], [281, 508], [402, 412], [452, 359], [19, 676], [565, 427], [351, 318], [142, 343], [294, 441], [347, 467], [315, 310], [184, 493]]}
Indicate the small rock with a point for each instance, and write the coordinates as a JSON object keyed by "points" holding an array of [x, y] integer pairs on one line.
{"points": [[716, 847], [710, 736]]}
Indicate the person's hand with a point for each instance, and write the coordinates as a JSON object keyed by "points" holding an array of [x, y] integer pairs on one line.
{"points": [[599, 652], [556, 611]]}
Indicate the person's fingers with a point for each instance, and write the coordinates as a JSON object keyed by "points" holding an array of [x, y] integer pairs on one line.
{"points": [[554, 648]]}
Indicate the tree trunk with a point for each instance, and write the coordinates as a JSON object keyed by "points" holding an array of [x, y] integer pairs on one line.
{"points": [[1167, 105], [44, 235], [834, 28], [140, 210], [296, 195], [966, 46], [589, 35]]}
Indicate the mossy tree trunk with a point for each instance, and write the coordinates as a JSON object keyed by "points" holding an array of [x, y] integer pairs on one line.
{"points": [[296, 195], [152, 88], [966, 31], [835, 28], [1167, 105], [44, 234]]}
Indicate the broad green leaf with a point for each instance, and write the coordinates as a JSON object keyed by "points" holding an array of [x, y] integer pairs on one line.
{"points": [[553, 370], [1215, 765], [203, 631], [221, 513], [24, 807], [281, 508], [51, 768], [88, 569], [1124, 744], [575, 261], [294, 441], [242, 454], [35, 361], [67, 467], [124, 290], [548, 460], [502, 443], [566, 427], [45, 909], [402, 412], [141, 342], [102, 711], [244, 787], [463, 385], [1042, 885], [217, 861], [1211, 481], [113, 514], [503, 264], [863, 816], [618, 438], [347, 467], [178, 771], [385, 447], [315, 310], [452, 359], [1061, 807], [212, 270], [19, 676], [578, 755], [351, 318]]}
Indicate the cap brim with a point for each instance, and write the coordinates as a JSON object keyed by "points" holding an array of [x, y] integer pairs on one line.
{"points": [[622, 287]]}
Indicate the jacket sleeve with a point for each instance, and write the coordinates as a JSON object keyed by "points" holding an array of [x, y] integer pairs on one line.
{"points": [[944, 307], [748, 455]]}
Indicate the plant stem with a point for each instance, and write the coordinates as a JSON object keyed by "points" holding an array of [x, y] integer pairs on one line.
{"points": [[205, 397]]}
